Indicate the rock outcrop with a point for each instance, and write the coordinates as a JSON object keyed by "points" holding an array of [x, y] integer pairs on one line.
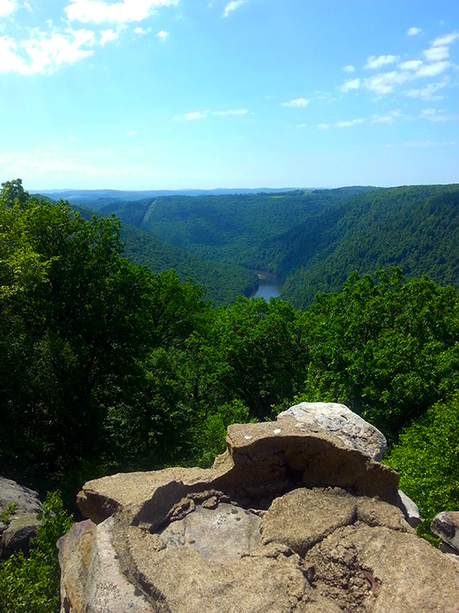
{"points": [[296, 516], [22, 523]]}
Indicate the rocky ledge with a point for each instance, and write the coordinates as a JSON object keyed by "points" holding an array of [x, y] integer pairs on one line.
{"points": [[298, 515]]}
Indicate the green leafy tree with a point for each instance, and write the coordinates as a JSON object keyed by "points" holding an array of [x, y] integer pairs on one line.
{"points": [[383, 347], [427, 458]]}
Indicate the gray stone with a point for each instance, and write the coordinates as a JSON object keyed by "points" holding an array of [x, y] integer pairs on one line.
{"points": [[410, 509], [27, 500], [21, 528], [22, 524], [339, 420], [223, 534], [446, 526]]}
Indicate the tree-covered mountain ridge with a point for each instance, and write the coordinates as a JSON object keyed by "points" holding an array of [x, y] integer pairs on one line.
{"points": [[313, 239]]}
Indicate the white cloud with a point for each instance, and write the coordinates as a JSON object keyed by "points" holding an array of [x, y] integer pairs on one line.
{"points": [[384, 83], [231, 112], [432, 70], [428, 112], [139, 30], [419, 143], [445, 40], [301, 125], [349, 68], [382, 60], [297, 103], [349, 85], [7, 7], [97, 11], [410, 65], [195, 115], [428, 92], [131, 133], [44, 52], [341, 124], [107, 35], [232, 6], [349, 124], [414, 31], [162, 34], [390, 118], [437, 54]]}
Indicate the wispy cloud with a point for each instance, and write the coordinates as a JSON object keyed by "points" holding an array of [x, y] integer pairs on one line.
{"points": [[131, 133], [296, 103], [97, 11], [341, 124], [162, 34], [232, 6], [44, 52], [383, 60], [349, 85], [141, 31], [195, 115], [389, 118], [107, 36], [414, 31], [349, 68], [231, 112], [429, 91]]}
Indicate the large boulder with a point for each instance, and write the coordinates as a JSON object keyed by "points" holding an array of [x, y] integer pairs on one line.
{"points": [[22, 522], [294, 517]]}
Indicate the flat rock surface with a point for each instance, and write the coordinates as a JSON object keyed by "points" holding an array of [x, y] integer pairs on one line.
{"points": [[222, 534]]}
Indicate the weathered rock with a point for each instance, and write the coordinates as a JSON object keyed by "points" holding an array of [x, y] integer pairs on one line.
{"points": [[303, 517], [21, 528], [410, 509], [107, 589], [379, 570], [75, 557], [291, 519], [343, 423], [446, 526], [22, 524], [27, 500]]}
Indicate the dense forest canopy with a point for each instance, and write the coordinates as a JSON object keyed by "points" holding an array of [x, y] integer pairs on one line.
{"points": [[109, 366], [313, 239]]}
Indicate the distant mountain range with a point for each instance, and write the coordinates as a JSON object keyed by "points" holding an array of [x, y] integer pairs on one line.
{"points": [[312, 238], [97, 198]]}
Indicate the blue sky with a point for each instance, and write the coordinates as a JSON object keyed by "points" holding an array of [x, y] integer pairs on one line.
{"points": [[171, 94]]}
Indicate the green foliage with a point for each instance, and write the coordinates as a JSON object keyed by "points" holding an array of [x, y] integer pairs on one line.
{"points": [[31, 584], [209, 435], [10, 510], [386, 348], [427, 458]]}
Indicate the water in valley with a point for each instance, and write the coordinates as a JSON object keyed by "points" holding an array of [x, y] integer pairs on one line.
{"points": [[269, 285]]}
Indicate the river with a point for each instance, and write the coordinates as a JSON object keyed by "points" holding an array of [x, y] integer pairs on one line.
{"points": [[269, 285]]}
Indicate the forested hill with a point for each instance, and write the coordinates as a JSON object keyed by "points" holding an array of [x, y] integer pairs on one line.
{"points": [[415, 228], [223, 282], [313, 238]]}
